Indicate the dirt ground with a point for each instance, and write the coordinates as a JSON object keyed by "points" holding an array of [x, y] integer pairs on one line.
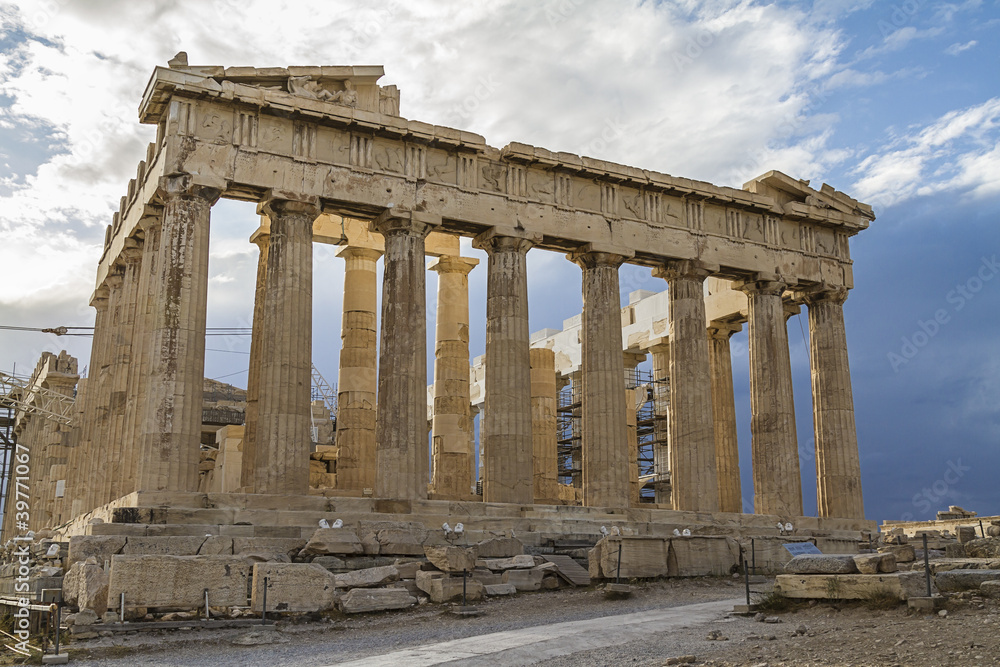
{"points": [[839, 633]]}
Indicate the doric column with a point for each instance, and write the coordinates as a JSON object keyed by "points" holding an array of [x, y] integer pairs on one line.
{"points": [[727, 454], [453, 457], [261, 239], [121, 370], [142, 333], [401, 424], [633, 401], [605, 449], [545, 457], [506, 423], [777, 486], [660, 349], [693, 472], [838, 469], [357, 381], [98, 476], [283, 439], [168, 455]]}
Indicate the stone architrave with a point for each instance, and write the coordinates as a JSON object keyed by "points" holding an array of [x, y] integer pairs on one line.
{"points": [[261, 239], [169, 453], [401, 423], [453, 473], [838, 469], [727, 455], [604, 442], [777, 486], [281, 450], [357, 382], [694, 475], [506, 424], [545, 457]]}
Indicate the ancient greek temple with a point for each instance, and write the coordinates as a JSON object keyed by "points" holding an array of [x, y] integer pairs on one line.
{"points": [[326, 156]]}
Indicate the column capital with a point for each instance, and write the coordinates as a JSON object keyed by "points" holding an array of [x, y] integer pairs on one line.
{"points": [[826, 294], [261, 236], [115, 277], [99, 299], [359, 252], [633, 359], [453, 264], [506, 239], [658, 344], [594, 255], [184, 187], [394, 221], [764, 287], [723, 330], [281, 202], [152, 217], [685, 268], [132, 252]]}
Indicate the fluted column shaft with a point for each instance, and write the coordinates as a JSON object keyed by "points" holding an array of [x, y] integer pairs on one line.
{"points": [[251, 421], [777, 486], [727, 454], [96, 461], [632, 402], [120, 371], [838, 469], [545, 457], [357, 383], [401, 424], [661, 419], [604, 441], [506, 424], [283, 438], [142, 333], [693, 471], [168, 455], [451, 451]]}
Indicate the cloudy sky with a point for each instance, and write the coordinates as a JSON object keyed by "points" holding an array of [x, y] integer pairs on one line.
{"points": [[897, 104]]}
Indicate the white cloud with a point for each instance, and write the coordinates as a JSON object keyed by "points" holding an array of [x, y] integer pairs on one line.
{"points": [[958, 151], [958, 47]]}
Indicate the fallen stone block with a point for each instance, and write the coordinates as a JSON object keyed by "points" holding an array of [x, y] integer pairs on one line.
{"points": [[486, 577], [514, 562], [375, 599], [424, 578], [178, 581], [500, 547], [86, 586], [409, 570], [956, 550], [965, 534], [524, 580], [902, 585], [452, 559], [964, 580], [641, 557], [409, 585], [875, 563], [821, 564], [328, 541], [499, 589], [372, 576], [990, 588], [101, 547], [701, 556], [397, 538], [165, 546], [904, 553], [444, 589], [303, 587], [286, 546], [984, 547]]}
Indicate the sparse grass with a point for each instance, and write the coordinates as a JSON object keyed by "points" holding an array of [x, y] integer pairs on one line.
{"points": [[772, 602], [881, 599], [833, 588]]}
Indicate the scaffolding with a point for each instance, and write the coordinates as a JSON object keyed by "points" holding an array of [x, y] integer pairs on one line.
{"points": [[651, 431]]}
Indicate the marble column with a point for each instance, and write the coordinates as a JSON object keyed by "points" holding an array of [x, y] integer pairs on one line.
{"points": [[632, 403], [727, 454], [284, 436], [454, 460], [261, 239], [545, 459], [660, 349], [357, 382], [776, 481], [169, 453], [122, 369], [142, 333], [506, 431], [604, 442], [693, 472], [401, 424], [838, 469], [99, 460]]}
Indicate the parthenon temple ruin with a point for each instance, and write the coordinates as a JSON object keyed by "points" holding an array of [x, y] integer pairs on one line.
{"points": [[562, 445]]}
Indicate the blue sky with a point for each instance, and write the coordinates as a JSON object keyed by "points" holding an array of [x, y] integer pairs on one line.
{"points": [[895, 103]]}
